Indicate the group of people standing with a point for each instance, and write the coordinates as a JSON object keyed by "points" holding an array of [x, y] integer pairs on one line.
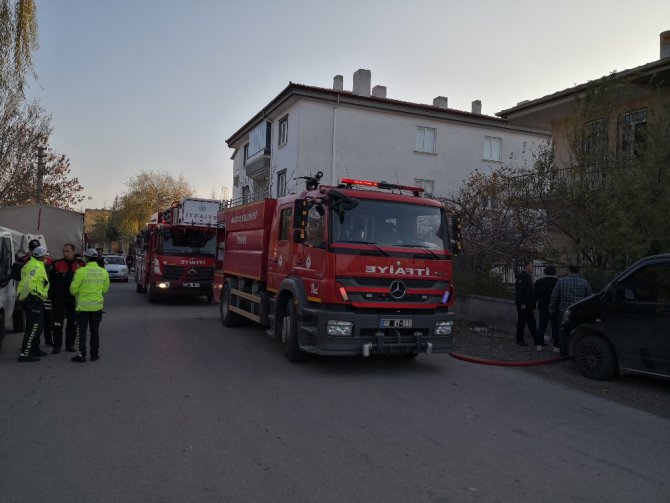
{"points": [[552, 296], [75, 289]]}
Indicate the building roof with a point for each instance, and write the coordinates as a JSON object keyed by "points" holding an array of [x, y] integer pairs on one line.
{"points": [[374, 102], [650, 72]]}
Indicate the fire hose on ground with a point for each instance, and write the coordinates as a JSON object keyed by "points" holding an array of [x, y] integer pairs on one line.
{"points": [[531, 363]]}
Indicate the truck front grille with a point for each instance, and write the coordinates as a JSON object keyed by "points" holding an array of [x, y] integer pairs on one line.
{"points": [[189, 273]]}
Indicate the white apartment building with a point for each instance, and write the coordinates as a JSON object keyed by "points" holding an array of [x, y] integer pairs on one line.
{"points": [[363, 134]]}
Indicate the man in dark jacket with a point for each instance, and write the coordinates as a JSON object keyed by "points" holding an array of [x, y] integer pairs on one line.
{"points": [[63, 303], [525, 305], [543, 288]]}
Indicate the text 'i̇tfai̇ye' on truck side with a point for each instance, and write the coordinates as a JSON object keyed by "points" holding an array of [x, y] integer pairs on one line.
{"points": [[361, 268]]}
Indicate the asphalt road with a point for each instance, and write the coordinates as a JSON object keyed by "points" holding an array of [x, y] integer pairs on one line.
{"points": [[179, 409]]}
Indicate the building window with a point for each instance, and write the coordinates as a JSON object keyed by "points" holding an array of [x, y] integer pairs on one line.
{"points": [[492, 149], [245, 157], [426, 138], [283, 131], [285, 224], [281, 183], [595, 136], [632, 131], [246, 193], [427, 185]]}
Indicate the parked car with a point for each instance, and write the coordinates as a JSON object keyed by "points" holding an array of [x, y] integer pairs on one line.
{"points": [[625, 327], [116, 267]]}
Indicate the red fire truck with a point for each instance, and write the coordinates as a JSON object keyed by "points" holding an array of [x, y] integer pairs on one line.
{"points": [[175, 253], [361, 268]]}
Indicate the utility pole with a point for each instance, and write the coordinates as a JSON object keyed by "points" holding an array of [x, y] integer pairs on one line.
{"points": [[41, 165]]}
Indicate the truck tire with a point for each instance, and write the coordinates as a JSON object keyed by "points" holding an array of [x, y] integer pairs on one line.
{"points": [[289, 335], [595, 358], [228, 318], [18, 320], [151, 294]]}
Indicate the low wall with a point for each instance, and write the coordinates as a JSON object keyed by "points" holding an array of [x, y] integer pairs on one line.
{"points": [[489, 311]]}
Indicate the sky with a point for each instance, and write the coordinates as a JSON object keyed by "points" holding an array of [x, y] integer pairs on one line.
{"points": [[141, 85]]}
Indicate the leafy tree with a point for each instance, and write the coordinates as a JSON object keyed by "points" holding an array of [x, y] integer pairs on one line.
{"points": [[147, 193], [18, 41], [610, 199], [23, 127]]}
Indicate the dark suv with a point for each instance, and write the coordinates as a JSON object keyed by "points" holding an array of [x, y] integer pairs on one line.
{"points": [[626, 326]]}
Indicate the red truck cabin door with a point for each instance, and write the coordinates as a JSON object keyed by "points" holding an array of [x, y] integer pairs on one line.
{"points": [[311, 256]]}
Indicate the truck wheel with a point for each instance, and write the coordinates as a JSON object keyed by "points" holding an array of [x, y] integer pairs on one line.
{"points": [[595, 358], [228, 318], [289, 335], [18, 320], [151, 293]]}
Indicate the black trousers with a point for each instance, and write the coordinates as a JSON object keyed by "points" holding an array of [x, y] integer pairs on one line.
{"points": [[63, 309], [86, 319], [526, 317], [47, 323], [34, 312], [545, 320]]}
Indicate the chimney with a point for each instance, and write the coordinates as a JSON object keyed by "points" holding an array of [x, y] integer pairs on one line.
{"points": [[477, 107], [665, 44], [379, 91], [441, 102], [362, 80], [338, 83]]}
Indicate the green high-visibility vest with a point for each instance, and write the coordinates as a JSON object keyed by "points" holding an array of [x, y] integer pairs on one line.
{"points": [[34, 280], [89, 285]]}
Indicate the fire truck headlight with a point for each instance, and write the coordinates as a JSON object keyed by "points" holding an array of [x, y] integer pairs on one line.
{"points": [[340, 327], [444, 327], [163, 284]]}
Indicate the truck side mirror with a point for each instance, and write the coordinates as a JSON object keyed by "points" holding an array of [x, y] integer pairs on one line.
{"points": [[299, 236], [300, 218], [456, 227]]}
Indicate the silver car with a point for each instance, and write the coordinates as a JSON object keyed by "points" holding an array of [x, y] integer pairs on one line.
{"points": [[116, 267]]}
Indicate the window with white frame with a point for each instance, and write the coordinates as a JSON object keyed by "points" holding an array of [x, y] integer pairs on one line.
{"points": [[492, 148], [281, 183], [428, 186], [426, 138], [283, 131], [246, 194]]}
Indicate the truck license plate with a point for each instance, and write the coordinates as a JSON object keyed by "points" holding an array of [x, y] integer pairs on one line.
{"points": [[192, 285], [388, 323]]}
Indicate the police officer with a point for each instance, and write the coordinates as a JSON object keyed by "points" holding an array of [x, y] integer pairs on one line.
{"points": [[89, 285], [63, 303], [33, 290]]}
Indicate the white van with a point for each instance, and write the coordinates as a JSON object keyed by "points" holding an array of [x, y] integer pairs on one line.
{"points": [[13, 244]]}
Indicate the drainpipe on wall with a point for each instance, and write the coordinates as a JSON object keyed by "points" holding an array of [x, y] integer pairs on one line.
{"points": [[333, 164]]}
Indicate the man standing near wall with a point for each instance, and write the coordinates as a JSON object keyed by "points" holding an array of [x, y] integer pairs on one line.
{"points": [[525, 305]]}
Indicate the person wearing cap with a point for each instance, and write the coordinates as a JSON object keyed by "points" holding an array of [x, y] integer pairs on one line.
{"points": [[543, 288], [63, 303], [33, 290], [89, 285], [46, 314]]}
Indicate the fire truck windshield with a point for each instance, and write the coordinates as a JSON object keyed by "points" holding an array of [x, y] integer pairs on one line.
{"points": [[188, 242], [388, 223]]}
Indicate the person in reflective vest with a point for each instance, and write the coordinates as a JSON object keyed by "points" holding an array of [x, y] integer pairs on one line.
{"points": [[33, 290], [89, 285]]}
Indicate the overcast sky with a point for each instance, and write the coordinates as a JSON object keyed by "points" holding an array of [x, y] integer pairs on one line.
{"points": [[161, 84]]}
